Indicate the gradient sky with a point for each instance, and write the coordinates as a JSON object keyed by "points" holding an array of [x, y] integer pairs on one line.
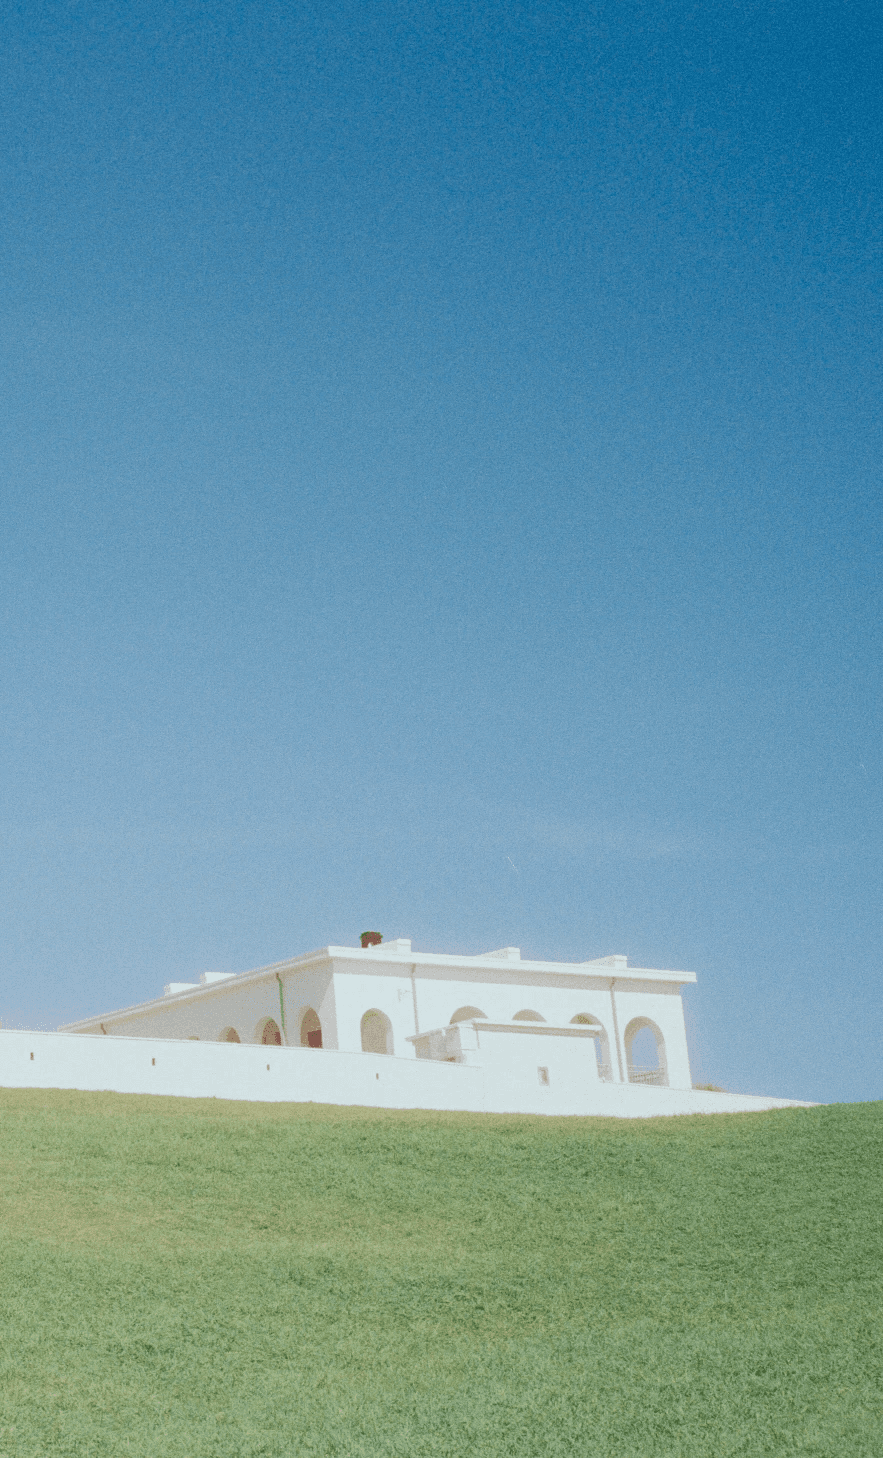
{"points": [[441, 493]]}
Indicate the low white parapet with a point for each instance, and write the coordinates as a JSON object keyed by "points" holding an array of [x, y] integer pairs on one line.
{"points": [[253, 1073]]}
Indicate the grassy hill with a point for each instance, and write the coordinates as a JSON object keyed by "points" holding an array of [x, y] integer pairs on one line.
{"points": [[192, 1278]]}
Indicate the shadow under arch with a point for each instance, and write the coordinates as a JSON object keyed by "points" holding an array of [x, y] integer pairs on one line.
{"points": [[639, 1053], [268, 1033], [229, 1035], [310, 1029], [464, 1014], [602, 1044], [376, 1032], [527, 1015]]}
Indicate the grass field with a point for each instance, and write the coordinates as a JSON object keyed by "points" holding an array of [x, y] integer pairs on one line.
{"points": [[187, 1278]]}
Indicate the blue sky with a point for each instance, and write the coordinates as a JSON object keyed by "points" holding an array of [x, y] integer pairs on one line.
{"points": [[441, 493]]}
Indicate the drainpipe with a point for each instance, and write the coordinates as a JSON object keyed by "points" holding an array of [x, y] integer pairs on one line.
{"points": [[616, 1029], [414, 995], [282, 1009]]}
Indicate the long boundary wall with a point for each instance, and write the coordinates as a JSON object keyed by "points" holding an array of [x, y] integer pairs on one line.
{"points": [[326, 1076]]}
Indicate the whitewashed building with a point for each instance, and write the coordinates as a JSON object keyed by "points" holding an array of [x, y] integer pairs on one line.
{"points": [[382, 1025], [385, 998]]}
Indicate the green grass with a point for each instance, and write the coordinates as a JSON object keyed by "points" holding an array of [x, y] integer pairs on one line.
{"points": [[191, 1278]]}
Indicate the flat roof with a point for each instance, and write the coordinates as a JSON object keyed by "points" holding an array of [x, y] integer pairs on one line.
{"points": [[398, 952]]}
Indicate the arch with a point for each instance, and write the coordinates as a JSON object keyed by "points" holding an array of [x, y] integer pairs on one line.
{"points": [[376, 1031], [310, 1029], [465, 1014], [640, 1050], [527, 1015], [602, 1044], [268, 1033], [229, 1035]]}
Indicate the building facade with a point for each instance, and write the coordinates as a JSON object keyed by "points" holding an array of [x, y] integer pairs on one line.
{"points": [[572, 1023]]}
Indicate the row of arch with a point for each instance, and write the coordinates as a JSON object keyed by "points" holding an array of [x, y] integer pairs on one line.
{"points": [[376, 1032], [643, 1041], [269, 1033]]}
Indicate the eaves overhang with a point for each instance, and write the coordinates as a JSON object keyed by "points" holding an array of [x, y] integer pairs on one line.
{"points": [[601, 970]]}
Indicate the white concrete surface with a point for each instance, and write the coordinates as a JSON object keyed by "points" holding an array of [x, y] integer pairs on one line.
{"points": [[305, 1075]]}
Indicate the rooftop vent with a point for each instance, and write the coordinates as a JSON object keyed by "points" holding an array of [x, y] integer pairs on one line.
{"points": [[371, 939]]}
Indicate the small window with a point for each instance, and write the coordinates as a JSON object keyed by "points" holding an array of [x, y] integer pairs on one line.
{"points": [[376, 1031], [543, 1074], [310, 1030]]}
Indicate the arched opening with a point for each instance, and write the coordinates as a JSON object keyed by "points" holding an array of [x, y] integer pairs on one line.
{"points": [[465, 1014], [645, 1053], [268, 1033], [527, 1015], [602, 1044], [310, 1030], [376, 1030], [229, 1035]]}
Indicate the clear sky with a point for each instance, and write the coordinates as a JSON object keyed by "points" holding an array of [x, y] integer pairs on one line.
{"points": [[441, 494]]}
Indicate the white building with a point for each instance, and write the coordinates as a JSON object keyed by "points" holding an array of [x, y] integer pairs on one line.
{"points": [[383, 1025]]}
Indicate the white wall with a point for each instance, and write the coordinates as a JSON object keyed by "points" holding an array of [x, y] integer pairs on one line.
{"points": [[662, 1006], [231, 1071], [305, 1075], [343, 990], [524, 1061], [386, 988]]}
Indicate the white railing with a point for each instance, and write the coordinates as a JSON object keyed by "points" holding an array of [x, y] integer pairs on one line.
{"points": [[654, 1076]]}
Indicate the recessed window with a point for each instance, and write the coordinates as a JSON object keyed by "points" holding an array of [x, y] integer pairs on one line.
{"points": [[376, 1031], [543, 1074], [310, 1030]]}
